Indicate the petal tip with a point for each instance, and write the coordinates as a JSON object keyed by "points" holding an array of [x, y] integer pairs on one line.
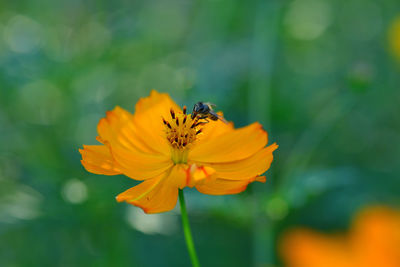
{"points": [[118, 199], [261, 179], [153, 92], [274, 146]]}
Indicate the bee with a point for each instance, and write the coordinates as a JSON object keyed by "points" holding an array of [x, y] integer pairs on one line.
{"points": [[204, 110]]}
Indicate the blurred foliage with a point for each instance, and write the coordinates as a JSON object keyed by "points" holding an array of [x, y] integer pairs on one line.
{"points": [[321, 75]]}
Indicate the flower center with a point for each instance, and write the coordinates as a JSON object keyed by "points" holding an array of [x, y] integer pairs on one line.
{"points": [[181, 132]]}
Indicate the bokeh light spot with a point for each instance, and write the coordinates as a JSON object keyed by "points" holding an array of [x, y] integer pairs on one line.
{"points": [[22, 34], [21, 203], [75, 191], [394, 37], [308, 19], [161, 223], [277, 208]]}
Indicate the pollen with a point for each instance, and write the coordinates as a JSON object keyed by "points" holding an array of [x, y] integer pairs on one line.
{"points": [[181, 130]]}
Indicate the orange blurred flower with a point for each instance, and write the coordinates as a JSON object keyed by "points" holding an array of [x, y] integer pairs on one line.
{"points": [[168, 150], [373, 241]]}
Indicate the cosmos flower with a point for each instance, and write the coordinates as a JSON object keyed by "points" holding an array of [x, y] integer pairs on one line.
{"points": [[168, 150], [373, 241]]}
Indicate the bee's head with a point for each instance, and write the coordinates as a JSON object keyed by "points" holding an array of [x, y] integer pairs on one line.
{"points": [[200, 107], [196, 109]]}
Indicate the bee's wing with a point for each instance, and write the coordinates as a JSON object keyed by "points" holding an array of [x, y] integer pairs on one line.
{"points": [[211, 105], [219, 117]]}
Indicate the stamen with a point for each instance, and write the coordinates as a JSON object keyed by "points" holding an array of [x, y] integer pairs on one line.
{"points": [[181, 132]]}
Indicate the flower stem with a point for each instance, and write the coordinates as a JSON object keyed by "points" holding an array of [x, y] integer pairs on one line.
{"points": [[187, 232]]}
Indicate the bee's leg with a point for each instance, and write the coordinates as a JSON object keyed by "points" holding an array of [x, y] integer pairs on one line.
{"points": [[203, 117]]}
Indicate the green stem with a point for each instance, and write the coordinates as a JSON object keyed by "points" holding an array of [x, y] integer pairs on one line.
{"points": [[187, 232]]}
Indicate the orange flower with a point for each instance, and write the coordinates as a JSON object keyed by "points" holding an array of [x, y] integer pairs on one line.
{"points": [[373, 241], [168, 150]]}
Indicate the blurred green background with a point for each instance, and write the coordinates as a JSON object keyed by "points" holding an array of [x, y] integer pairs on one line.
{"points": [[318, 74]]}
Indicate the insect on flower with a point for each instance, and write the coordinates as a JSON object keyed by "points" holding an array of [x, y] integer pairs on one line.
{"points": [[205, 111], [168, 149]]}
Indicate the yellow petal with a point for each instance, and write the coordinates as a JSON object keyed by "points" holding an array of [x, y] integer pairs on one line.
{"points": [[154, 195], [215, 129], [225, 187], [155, 105], [234, 145], [118, 129], [140, 166], [183, 175], [149, 112], [137, 156], [252, 166], [177, 177], [197, 174], [98, 160]]}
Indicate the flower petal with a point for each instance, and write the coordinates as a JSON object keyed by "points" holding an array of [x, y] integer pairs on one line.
{"points": [[234, 145], [98, 160], [118, 128], [225, 187], [149, 112], [155, 195], [215, 129], [155, 105], [178, 176], [140, 166], [252, 166], [198, 174], [135, 155]]}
